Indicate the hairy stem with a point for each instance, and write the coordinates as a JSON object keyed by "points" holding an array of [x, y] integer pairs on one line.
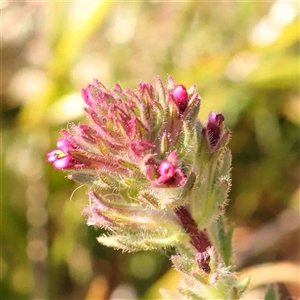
{"points": [[199, 238]]}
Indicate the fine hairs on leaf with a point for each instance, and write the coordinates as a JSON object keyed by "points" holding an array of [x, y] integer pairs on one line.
{"points": [[158, 178]]}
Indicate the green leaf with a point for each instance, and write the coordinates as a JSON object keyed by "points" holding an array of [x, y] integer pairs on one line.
{"points": [[139, 241], [148, 199], [161, 96], [192, 110], [165, 143], [189, 294], [188, 186], [131, 166], [226, 166], [183, 263], [224, 240]]}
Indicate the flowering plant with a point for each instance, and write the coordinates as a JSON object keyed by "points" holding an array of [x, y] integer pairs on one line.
{"points": [[158, 177]]}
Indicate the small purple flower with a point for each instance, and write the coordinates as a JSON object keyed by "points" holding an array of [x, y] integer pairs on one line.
{"points": [[180, 97], [60, 157], [176, 180], [166, 170], [214, 123], [164, 173]]}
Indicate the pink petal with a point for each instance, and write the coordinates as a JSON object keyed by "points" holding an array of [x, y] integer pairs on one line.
{"points": [[166, 169], [63, 145], [51, 156], [173, 158], [62, 163], [85, 93]]}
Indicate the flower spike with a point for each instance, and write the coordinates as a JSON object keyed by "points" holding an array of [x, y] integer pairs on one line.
{"points": [[157, 178]]}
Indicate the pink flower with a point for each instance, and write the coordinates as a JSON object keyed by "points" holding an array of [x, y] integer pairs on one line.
{"points": [[169, 175], [166, 170], [60, 157], [164, 173]]}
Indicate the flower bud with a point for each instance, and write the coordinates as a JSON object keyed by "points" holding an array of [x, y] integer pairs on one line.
{"points": [[180, 97], [203, 259], [214, 123]]}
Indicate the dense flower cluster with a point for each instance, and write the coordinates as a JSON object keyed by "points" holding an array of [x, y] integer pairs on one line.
{"points": [[143, 133], [157, 176]]}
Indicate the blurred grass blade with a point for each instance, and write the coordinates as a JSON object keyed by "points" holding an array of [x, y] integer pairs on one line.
{"points": [[272, 293], [76, 34]]}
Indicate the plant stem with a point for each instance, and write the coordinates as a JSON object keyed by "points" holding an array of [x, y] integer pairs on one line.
{"points": [[199, 238]]}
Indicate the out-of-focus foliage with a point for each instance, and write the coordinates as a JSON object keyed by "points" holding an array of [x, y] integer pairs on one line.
{"points": [[242, 55]]}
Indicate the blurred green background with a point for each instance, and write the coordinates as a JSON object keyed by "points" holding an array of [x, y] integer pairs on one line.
{"points": [[242, 55]]}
